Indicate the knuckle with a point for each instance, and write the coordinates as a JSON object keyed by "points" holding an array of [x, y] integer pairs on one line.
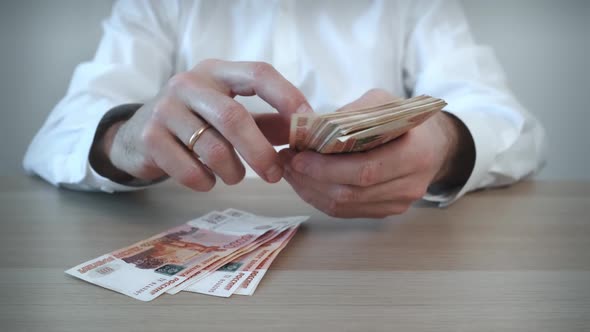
{"points": [[343, 194], [378, 95], [290, 102], [261, 69], [218, 153], [416, 193], [180, 81], [162, 107], [310, 199], [207, 63], [333, 209], [262, 159], [231, 116], [377, 92], [369, 173], [150, 136], [194, 178]]}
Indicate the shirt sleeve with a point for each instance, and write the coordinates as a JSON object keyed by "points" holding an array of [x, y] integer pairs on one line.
{"points": [[133, 60], [442, 60]]}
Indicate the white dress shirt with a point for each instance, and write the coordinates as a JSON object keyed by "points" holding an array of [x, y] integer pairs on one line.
{"points": [[333, 51]]}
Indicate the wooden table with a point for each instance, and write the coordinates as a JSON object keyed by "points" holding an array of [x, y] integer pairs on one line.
{"points": [[515, 259]]}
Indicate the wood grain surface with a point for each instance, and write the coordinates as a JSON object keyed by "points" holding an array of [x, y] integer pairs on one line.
{"points": [[513, 259]]}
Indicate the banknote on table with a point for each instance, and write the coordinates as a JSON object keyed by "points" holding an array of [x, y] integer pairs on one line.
{"points": [[360, 129], [249, 285], [225, 281], [223, 278], [149, 268], [279, 224]]}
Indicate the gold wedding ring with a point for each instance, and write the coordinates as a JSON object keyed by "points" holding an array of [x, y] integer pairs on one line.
{"points": [[196, 135]]}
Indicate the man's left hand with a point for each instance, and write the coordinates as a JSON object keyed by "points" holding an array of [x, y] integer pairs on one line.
{"points": [[386, 180]]}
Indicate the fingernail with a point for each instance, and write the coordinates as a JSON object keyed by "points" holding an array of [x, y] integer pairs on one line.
{"points": [[274, 174], [304, 108]]}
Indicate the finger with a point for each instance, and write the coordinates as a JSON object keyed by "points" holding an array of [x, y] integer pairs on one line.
{"points": [[372, 210], [256, 78], [357, 210], [403, 190], [179, 163], [371, 98], [219, 155], [236, 124], [213, 149], [309, 195], [382, 164], [274, 127]]}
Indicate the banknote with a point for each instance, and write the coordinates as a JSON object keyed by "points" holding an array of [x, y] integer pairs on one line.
{"points": [[251, 282], [228, 278], [244, 221], [148, 268], [218, 221], [354, 130]]}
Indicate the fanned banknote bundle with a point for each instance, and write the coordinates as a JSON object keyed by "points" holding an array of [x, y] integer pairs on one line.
{"points": [[360, 129], [220, 254]]}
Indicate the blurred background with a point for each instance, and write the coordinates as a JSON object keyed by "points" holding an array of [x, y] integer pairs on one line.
{"points": [[544, 46]]}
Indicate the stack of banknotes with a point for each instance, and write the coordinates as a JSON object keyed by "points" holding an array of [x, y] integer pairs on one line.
{"points": [[220, 254], [360, 129]]}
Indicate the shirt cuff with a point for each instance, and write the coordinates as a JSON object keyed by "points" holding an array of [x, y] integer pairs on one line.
{"points": [[98, 182], [482, 136]]}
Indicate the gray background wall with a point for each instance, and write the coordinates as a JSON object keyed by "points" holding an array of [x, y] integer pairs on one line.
{"points": [[543, 45]]}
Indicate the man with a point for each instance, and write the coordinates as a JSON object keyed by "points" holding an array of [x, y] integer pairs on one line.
{"points": [[163, 98]]}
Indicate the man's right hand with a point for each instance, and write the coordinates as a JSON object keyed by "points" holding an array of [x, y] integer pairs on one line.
{"points": [[153, 142]]}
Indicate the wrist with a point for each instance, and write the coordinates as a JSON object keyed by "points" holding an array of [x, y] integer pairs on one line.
{"points": [[100, 155], [460, 153], [104, 140]]}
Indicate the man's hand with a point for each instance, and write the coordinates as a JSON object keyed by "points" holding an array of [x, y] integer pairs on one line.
{"points": [[386, 180], [153, 142]]}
